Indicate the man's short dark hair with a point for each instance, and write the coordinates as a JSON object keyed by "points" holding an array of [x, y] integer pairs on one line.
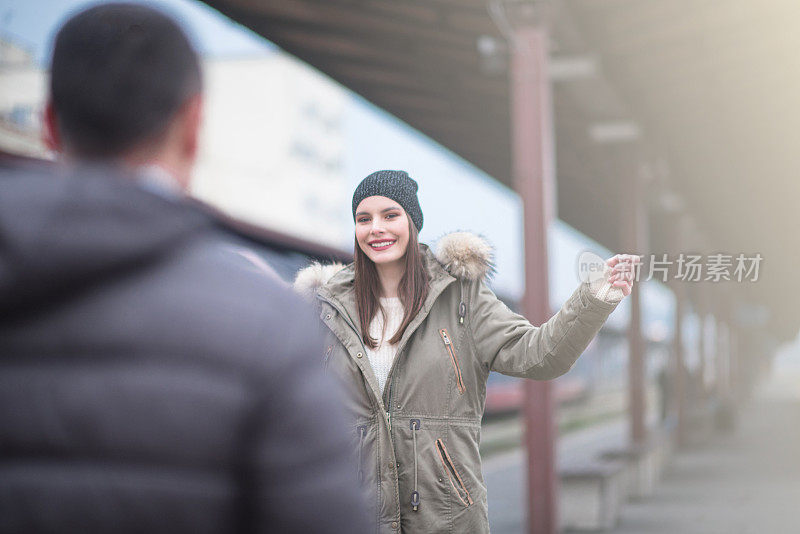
{"points": [[119, 74]]}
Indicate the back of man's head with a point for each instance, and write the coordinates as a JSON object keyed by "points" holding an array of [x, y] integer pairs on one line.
{"points": [[120, 74]]}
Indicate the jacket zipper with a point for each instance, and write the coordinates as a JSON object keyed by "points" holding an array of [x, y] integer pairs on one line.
{"points": [[328, 355], [389, 405], [448, 344], [400, 348], [452, 474]]}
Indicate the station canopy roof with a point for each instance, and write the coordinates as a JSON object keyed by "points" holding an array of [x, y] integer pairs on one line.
{"points": [[701, 97]]}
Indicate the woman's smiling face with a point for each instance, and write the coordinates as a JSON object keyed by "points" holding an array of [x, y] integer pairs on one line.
{"points": [[382, 229]]}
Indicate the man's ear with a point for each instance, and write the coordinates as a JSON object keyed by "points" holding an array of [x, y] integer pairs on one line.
{"points": [[192, 119], [50, 134]]}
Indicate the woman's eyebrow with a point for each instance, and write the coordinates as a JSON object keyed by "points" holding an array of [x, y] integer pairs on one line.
{"points": [[360, 213]]}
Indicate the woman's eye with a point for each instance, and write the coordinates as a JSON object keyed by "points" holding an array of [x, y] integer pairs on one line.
{"points": [[363, 219], [391, 216]]}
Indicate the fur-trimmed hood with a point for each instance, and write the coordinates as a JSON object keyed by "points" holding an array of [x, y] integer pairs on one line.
{"points": [[316, 275], [464, 255]]}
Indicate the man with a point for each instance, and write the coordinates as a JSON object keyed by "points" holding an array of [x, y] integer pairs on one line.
{"points": [[147, 382]]}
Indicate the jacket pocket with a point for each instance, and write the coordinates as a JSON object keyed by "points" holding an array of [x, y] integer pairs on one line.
{"points": [[362, 434], [452, 474], [448, 345]]}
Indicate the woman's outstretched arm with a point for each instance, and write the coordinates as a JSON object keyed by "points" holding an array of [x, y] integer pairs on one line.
{"points": [[508, 343]]}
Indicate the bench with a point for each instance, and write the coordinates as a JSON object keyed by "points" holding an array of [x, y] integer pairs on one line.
{"points": [[591, 496], [642, 467]]}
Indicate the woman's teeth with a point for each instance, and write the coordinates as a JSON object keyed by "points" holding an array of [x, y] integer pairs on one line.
{"points": [[382, 245]]}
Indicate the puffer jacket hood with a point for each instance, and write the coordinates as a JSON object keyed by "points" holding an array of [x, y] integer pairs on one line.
{"points": [[417, 438], [39, 265]]}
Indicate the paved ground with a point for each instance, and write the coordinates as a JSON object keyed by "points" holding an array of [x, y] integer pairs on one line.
{"points": [[504, 474], [745, 483]]}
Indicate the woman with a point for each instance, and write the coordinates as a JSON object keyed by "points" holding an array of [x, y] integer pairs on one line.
{"points": [[414, 336]]}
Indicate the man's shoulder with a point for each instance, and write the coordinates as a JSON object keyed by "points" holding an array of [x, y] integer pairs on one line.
{"points": [[238, 286]]}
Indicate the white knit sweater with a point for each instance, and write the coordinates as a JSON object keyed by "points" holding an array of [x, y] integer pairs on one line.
{"points": [[382, 357]]}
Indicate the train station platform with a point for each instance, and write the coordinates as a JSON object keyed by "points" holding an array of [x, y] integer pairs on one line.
{"points": [[743, 482]]}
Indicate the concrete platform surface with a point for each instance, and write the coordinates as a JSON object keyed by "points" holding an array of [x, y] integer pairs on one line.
{"points": [[747, 482]]}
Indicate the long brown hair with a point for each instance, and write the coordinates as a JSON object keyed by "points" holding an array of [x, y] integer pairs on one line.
{"points": [[413, 288]]}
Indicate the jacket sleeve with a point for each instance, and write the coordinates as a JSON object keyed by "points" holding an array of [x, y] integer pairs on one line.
{"points": [[508, 343], [302, 474]]}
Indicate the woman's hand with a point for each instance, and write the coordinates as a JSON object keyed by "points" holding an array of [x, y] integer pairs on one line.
{"points": [[623, 269]]}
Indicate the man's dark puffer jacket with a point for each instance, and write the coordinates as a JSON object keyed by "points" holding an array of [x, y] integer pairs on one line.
{"points": [[149, 381]]}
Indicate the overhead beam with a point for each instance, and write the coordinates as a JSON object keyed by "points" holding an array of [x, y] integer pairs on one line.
{"points": [[573, 68], [621, 131]]}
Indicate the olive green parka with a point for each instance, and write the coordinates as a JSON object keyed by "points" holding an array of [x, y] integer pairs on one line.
{"points": [[417, 443]]}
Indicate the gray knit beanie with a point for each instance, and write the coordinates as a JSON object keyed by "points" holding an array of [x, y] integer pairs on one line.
{"points": [[398, 186]]}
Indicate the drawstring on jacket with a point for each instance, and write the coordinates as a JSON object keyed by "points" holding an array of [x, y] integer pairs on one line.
{"points": [[415, 494], [362, 432], [462, 308]]}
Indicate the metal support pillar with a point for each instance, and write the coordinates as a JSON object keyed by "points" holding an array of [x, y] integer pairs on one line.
{"points": [[634, 227], [734, 365], [534, 180], [724, 354], [702, 310], [722, 387], [679, 365]]}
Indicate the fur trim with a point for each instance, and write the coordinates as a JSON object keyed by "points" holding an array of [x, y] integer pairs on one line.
{"points": [[466, 255], [316, 275]]}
